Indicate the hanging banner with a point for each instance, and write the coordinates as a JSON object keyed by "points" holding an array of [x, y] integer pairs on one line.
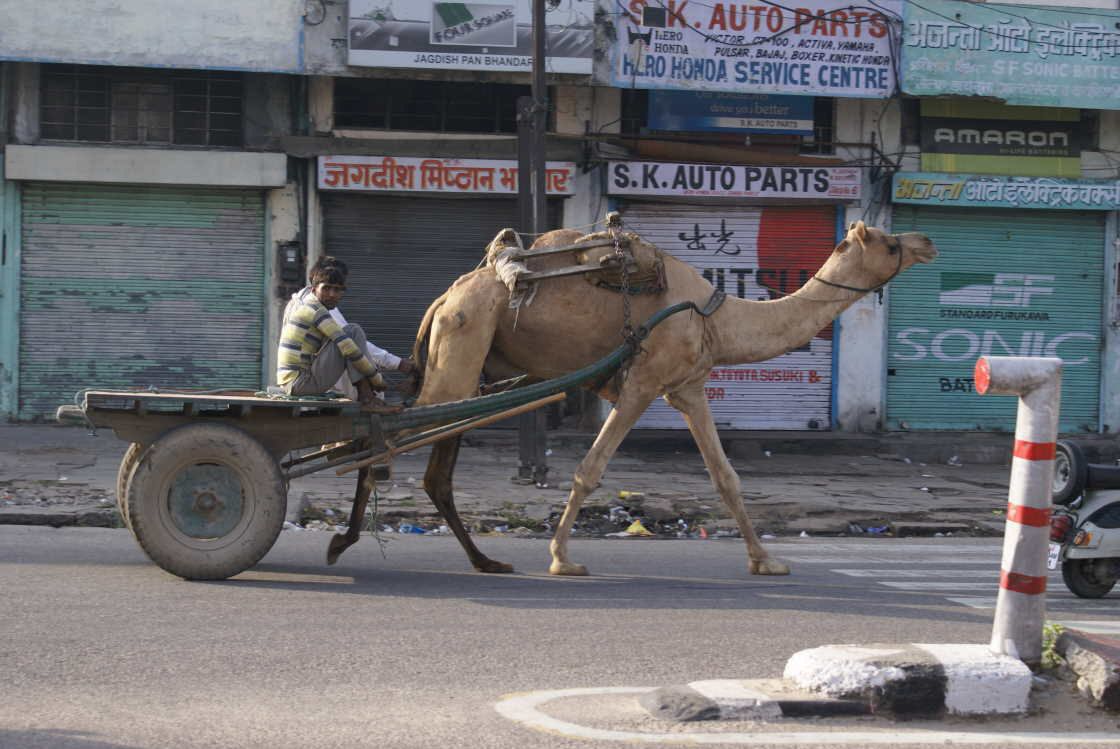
{"points": [[401, 174], [700, 111], [823, 47], [723, 181], [1006, 192], [1020, 54], [468, 36]]}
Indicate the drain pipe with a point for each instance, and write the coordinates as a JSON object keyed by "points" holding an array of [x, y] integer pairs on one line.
{"points": [[1021, 605]]}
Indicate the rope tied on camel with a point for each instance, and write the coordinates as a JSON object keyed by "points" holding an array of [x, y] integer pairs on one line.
{"points": [[614, 260]]}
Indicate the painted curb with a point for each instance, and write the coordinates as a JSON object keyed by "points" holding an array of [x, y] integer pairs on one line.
{"points": [[916, 679], [741, 699]]}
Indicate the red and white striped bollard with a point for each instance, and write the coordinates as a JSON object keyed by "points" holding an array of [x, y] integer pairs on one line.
{"points": [[1021, 605]]}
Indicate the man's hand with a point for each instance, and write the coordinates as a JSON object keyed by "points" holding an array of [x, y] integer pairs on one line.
{"points": [[407, 366]]}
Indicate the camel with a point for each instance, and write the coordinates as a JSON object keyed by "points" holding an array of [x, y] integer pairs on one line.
{"points": [[471, 330]]}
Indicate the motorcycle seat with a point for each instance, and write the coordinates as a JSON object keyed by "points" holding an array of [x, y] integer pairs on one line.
{"points": [[1101, 476]]}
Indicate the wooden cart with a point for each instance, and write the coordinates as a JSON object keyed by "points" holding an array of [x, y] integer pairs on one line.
{"points": [[203, 485]]}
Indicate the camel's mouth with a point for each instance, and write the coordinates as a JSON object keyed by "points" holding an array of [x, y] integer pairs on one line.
{"points": [[921, 247]]}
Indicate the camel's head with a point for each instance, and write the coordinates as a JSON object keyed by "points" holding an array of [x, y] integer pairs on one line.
{"points": [[869, 257]]}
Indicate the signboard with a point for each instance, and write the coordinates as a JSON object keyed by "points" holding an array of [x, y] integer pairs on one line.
{"points": [[823, 47], [380, 173], [724, 181], [1006, 192], [468, 36], [1021, 54], [250, 35], [971, 137], [750, 113]]}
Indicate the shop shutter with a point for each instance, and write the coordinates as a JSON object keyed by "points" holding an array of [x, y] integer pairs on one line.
{"points": [[1007, 283], [403, 252], [746, 251], [137, 286]]}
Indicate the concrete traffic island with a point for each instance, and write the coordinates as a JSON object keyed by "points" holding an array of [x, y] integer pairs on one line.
{"points": [[898, 681]]}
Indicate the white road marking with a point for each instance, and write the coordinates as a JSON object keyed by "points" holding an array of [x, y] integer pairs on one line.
{"points": [[1093, 626], [923, 574], [523, 709], [920, 586]]}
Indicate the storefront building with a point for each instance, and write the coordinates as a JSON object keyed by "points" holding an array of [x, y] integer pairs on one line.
{"points": [[1020, 197], [144, 190]]}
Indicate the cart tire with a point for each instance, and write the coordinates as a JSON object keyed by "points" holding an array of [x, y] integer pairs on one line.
{"points": [[128, 462], [1088, 578], [206, 501], [1071, 472]]}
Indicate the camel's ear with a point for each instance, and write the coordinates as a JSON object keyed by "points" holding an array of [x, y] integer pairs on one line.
{"points": [[859, 231]]}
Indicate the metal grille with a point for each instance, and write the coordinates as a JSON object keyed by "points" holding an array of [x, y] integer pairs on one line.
{"points": [[132, 286], [1008, 283], [403, 252], [140, 106], [752, 253], [432, 106]]}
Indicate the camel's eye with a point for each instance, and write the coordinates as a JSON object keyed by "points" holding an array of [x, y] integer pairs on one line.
{"points": [[893, 245]]}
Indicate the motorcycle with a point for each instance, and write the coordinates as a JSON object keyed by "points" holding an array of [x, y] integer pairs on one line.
{"points": [[1085, 522]]}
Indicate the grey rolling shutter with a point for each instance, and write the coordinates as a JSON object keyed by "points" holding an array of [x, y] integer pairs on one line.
{"points": [[135, 286], [403, 252]]}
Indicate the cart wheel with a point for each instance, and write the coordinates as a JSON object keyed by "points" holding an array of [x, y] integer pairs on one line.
{"points": [[128, 462], [206, 501], [1071, 471], [1088, 578]]}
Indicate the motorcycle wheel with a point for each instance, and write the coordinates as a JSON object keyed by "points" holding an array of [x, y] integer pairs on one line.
{"points": [[1088, 578], [1071, 471]]}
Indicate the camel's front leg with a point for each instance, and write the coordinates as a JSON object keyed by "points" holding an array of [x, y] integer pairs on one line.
{"points": [[692, 402], [631, 403]]}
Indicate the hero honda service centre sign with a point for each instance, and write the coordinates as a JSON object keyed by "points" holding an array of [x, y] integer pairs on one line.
{"points": [[823, 47], [728, 181]]}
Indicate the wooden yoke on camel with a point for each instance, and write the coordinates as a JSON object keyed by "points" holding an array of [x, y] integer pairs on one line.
{"points": [[619, 262]]}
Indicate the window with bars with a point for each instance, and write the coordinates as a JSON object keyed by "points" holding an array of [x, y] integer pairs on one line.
{"points": [[432, 106], [140, 106]]}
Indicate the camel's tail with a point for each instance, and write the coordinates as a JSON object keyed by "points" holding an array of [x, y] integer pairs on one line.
{"points": [[420, 347]]}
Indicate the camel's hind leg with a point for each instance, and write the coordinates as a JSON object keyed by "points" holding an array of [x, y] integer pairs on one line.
{"points": [[463, 322], [437, 482], [693, 404], [631, 403]]}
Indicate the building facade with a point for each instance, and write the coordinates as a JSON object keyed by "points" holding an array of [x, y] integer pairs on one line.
{"points": [[165, 188]]}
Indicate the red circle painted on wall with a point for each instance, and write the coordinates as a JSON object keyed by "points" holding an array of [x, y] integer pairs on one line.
{"points": [[982, 375]]}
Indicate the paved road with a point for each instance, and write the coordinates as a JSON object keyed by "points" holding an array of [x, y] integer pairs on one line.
{"points": [[102, 650]]}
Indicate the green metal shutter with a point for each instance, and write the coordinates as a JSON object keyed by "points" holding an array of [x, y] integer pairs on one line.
{"points": [[135, 286], [403, 252], [747, 251], [1008, 283]]}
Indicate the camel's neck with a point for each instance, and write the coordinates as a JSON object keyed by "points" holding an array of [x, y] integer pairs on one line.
{"points": [[747, 331]]}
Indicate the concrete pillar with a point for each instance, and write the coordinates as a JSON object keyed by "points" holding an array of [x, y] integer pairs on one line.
{"points": [[320, 104], [1021, 604], [282, 205]]}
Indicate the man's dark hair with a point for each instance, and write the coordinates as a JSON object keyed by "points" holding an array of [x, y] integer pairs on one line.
{"points": [[328, 269]]}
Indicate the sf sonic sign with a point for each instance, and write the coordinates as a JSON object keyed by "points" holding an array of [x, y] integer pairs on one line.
{"points": [[808, 47]]}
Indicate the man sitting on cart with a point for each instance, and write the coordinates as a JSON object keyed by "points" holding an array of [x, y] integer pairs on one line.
{"points": [[315, 351]]}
